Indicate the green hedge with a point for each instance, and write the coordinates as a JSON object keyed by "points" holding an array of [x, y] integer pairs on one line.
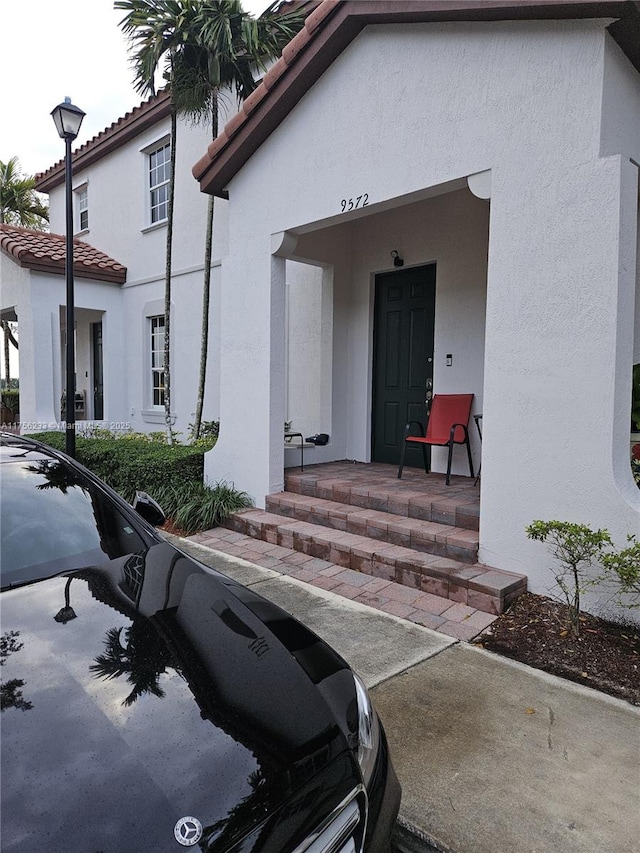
{"points": [[129, 464], [11, 399]]}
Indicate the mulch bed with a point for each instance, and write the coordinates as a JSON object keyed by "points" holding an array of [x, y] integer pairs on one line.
{"points": [[171, 527], [535, 630]]}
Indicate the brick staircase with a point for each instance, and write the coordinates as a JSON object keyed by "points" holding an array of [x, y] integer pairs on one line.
{"points": [[415, 531]]}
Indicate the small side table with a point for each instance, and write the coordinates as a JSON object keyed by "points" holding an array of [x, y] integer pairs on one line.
{"points": [[287, 438], [478, 420]]}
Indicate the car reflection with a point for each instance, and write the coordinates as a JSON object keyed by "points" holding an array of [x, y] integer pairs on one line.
{"points": [[179, 616], [76, 525]]}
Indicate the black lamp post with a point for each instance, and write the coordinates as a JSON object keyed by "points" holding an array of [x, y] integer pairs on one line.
{"points": [[67, 119]]}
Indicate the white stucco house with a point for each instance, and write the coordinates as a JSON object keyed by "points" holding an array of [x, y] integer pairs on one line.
{"points": [[491, 147], [119, 182], [495, 147]]}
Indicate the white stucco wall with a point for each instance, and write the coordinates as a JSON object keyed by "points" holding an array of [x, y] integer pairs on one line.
{"points": [[523, 99], [620, 133], [145, 299], [118, 199], [119, 225], [39, 299]]}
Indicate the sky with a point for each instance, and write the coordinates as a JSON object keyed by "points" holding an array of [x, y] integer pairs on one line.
{"points": [[53, 49]]}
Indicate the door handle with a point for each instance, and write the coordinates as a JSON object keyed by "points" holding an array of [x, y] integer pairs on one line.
{"points": [[429, 391]]}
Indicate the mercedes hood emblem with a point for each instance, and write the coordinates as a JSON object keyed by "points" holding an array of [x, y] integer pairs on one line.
{"points": [[188, 831]]}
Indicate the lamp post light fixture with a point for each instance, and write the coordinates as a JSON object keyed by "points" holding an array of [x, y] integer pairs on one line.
{"points": [[67, 119]]}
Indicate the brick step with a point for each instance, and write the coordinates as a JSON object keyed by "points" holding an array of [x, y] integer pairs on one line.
{"points": [[370, 486], [428, 537], [477, 586]]}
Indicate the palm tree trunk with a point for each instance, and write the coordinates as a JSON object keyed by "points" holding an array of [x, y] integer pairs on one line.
{"points": [[204, 337], [167, 280], [206, 290], [7, 370], [10, 335]]}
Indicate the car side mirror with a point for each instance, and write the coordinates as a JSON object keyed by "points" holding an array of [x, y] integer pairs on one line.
{"points": [[149, 509]]}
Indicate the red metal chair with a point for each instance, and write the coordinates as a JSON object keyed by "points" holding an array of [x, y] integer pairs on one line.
{"points": [[447, 424]]}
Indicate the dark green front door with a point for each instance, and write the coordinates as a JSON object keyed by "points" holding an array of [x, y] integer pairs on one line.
{"points": [[98, 374], [402, 357]]}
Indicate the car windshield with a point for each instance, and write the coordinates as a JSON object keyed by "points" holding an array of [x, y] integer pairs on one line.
{"points": [[54, 520]]}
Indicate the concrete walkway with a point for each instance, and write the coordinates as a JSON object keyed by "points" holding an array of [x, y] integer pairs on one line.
{"points": [[492, 756], [453, 618]]}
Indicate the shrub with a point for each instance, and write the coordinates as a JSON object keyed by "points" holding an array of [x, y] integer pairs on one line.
{"points": [[135, 463], [10, 405], [623, 568], [11, 399], [196, 506], [575, 547], [173, 475], [209, 431]]}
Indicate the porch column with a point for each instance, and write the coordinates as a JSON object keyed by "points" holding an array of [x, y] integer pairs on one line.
{"points": [[39, 355], [559, 346], [250, 450]]}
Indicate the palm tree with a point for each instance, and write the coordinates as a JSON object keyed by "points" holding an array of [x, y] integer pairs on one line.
{"points": [[224, 47], [143, 659], [154, 29], [206, 45], [19, 202]]}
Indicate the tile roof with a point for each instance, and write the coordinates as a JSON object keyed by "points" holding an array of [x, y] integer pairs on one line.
{"points": [[331, 27], [133, 123], [44, 252]]}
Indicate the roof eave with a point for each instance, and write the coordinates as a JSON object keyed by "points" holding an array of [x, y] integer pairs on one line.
{"points": [[79, 271], [226, 155], [138, 121]]}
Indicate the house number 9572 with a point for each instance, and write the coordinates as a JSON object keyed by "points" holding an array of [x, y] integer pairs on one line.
{"points": [[353, 203]]}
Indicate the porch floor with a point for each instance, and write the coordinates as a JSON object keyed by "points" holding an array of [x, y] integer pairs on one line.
{"points": [[408, 547], [376, 486]]}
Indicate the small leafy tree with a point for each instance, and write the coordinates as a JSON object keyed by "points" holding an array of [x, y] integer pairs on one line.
{"points": [[623, 567], [575, 547]]}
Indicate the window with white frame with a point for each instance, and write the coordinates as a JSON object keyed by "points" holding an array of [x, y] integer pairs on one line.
{"points": [[159, 174], [157, 360], [83, 208]]}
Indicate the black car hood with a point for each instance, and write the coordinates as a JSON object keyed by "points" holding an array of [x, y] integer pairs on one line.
{"points": [[144, 691]]}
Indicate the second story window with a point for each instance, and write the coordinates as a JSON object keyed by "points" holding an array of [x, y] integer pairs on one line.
{"points": [[159, 173], [83, 209]]}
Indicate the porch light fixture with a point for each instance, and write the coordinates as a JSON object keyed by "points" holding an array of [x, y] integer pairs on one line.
{"points": [[67, 119], [397, 260]]}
